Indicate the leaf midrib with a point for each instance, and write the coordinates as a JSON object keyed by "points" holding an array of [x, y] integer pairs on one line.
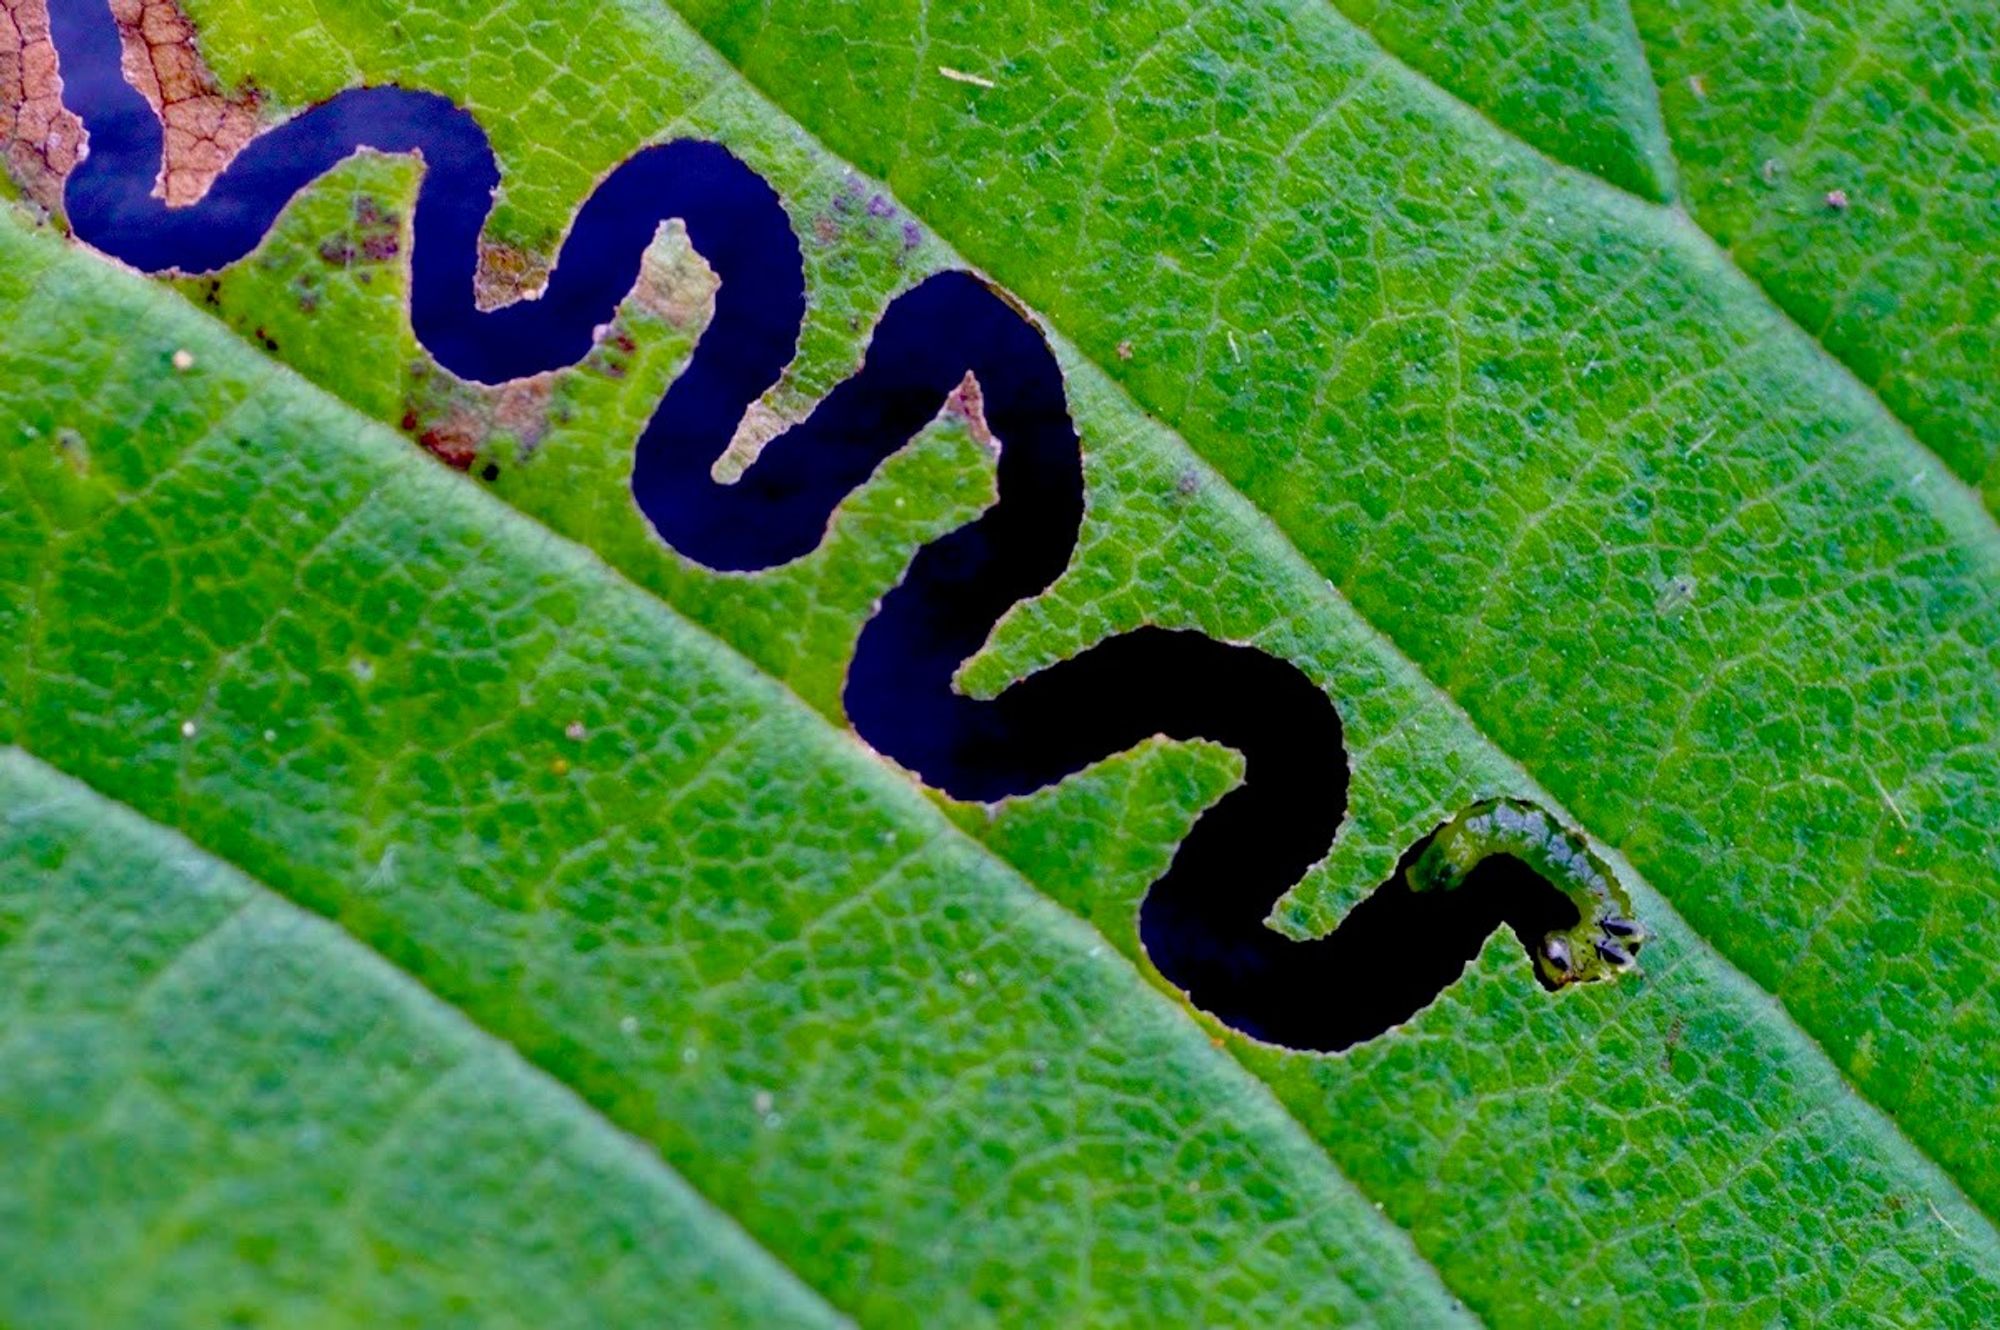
{"points": [[1675, 216]]}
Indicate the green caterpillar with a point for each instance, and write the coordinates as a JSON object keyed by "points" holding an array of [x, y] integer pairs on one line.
{"points": [[1606, 940]]}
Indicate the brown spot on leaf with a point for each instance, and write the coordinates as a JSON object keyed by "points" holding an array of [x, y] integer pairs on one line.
{"points": [[457, 422], [204, 127], [967, 403], [451, 443], [39, 138], [506, 274]]}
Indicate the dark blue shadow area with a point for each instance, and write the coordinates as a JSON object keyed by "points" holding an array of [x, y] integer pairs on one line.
{"points": [[1202, 923]]}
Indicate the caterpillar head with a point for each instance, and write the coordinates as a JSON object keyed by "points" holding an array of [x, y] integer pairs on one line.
{"points": [[1595, 950], [1604, 943]]}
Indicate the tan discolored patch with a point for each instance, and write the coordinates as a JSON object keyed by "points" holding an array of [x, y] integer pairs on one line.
{"points": [[506, 273], [760, 424], [39, 139], [675, 284], [205, 128]]}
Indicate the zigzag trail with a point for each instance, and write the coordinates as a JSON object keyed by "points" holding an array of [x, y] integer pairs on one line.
{"points": [[1203, 921]]}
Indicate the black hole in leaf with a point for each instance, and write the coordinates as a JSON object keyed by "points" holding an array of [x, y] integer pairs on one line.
{"points": [[1202, 923]]}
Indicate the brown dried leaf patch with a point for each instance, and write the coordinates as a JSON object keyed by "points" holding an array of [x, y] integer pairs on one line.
{"points": [[205, 127], [39, 139]]}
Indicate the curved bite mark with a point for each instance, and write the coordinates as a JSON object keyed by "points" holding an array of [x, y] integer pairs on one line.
{"points": [[951, 343]]}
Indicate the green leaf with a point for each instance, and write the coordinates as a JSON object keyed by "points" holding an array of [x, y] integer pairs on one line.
{"points": [[1559, 497], [258, 618], [203, 1080]]}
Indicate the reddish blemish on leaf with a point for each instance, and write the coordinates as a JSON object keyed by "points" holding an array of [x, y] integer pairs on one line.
{"points": [[458, 422], [967, 403], [451, 442]]}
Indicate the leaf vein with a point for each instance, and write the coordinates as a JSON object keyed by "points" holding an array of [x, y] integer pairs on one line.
{"points": [[1393, 648], [265, 892]]}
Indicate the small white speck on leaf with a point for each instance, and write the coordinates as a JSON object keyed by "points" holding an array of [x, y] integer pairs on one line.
{"points": [[270, 736], [187, 729], [1837, 200], [183, 360], [575, 732], [1698, 87], [1939, 1216], [364, 670], [689, 1054], [629, 1024], [960, 76], [763, 1102], [1894, 809]]}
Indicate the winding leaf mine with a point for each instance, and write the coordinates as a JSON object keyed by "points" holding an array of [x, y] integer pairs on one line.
{"points": [[1695, 596]]}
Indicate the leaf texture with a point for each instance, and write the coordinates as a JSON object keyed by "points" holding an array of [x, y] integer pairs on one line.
{"points": [[1557, 496]]}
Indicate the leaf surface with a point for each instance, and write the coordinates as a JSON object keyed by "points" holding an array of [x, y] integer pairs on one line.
{"points": [[1535, 479], [226, 1077]]}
